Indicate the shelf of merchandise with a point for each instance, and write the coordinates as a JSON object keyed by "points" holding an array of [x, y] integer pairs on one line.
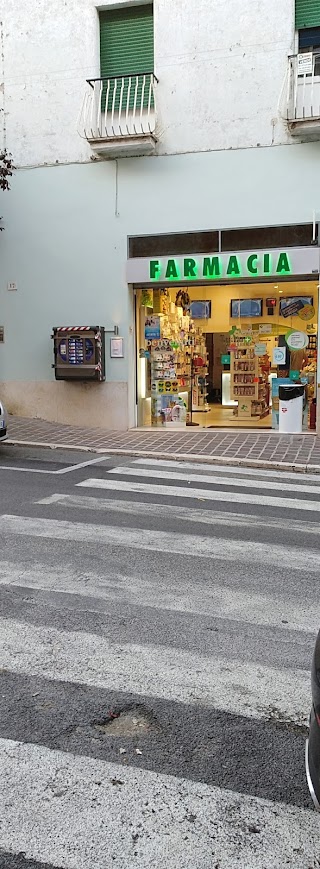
{"points": [[309, 372], [199, 373], [249, 381], [311, 351], [199, 390], [165, 370], [170, 361]]}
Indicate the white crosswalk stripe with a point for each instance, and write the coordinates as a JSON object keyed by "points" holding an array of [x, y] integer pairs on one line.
{"points": [[68, 824], [169, 673], [226, 471], [188, 545], [194, 515], [201, 494], [180, 596], [199, 608], [216, 479]]}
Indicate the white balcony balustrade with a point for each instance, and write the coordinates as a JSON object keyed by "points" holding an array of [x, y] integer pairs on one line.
{"points": [[301, 95], [118, 115]]}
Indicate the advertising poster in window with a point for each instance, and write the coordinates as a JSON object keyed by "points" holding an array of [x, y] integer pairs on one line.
{"points": [[152, 328]]}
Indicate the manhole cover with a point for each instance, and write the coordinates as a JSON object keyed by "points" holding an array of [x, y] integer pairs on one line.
{"points": [[127, 722]]}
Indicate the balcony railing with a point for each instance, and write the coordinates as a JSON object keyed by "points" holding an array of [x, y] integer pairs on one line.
{"points": [[119, 114], [302, 99]]}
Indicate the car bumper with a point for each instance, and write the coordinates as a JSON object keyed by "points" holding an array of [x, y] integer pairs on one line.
{"points": [[312, 760], [3, 422], [311, 777]]}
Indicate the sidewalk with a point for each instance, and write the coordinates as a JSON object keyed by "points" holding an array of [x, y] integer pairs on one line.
{"points": [[249, 448]]}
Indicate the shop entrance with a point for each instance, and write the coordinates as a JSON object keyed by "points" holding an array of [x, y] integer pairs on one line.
{"points": [[215, 356]]}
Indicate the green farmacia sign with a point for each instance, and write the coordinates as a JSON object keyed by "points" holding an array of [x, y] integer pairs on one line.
{"points": [[220, 266]]}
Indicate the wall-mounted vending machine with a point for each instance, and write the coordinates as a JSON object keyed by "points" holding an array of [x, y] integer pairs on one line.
{"points": [[79, 353]]}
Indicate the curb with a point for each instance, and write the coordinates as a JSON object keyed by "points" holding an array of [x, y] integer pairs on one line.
{"points": [[179, 457]]}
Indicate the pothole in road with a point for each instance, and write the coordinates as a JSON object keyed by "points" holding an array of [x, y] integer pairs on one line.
{"points": [[299, 727], [134, 721]]}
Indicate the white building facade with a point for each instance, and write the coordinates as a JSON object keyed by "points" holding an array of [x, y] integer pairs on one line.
{"points": [[216, 129]]}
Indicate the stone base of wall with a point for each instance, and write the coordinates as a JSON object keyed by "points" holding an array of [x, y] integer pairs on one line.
{"points": [[93, 405]]}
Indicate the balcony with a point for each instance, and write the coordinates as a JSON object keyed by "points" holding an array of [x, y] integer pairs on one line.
{"points": [[118, 116], [301, 105]]}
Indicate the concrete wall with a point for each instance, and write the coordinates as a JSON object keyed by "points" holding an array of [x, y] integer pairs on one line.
{"points": [[65, 246], [62, 249], [220, 66]]}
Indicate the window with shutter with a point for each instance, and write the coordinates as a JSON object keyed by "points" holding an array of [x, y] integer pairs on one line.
{"points": [[126, 49], [309, 38], [307, 14], [126, 41]]}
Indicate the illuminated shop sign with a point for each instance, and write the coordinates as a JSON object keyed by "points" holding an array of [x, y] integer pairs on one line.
{"points": [[242, 265], [219, 267]]}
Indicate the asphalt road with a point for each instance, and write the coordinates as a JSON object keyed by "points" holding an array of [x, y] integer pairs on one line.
{"points": [[157, 627]]}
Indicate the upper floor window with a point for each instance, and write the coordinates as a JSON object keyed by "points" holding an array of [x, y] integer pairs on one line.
{"points": [[126, 41], [307, 14], [308, 26], [127, 57]]}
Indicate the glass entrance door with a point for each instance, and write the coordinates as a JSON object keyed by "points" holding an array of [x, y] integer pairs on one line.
{"points": [[214, 356]]}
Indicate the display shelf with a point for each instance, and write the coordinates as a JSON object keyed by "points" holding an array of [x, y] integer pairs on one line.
{"points": [[199, 373], [170, 370], [311, 351], [249, 379]]}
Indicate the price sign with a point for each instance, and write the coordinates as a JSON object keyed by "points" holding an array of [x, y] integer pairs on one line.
{"points": [[260, 349], [307, 313], [297, 340], [265, 329], [279, 356]]}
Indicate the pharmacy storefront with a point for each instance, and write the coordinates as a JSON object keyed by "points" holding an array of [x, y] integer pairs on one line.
{"points": [[218, 336]]}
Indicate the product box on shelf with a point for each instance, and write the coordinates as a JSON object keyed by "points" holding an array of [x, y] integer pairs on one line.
{"points": [[169, 411]]}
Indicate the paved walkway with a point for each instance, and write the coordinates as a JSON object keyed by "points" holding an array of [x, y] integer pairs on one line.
{"points": [[300, 452]]}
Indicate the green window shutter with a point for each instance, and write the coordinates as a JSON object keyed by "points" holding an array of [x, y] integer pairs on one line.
{"points": [[126, 41], [307, 13]]}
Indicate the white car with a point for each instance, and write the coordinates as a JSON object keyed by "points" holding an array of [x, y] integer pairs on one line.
{"points": [[3, 422]]}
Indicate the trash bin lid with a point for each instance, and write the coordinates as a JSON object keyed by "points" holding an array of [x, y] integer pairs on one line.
{"points": [[287, 393]]}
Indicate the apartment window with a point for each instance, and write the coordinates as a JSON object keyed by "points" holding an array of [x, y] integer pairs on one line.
{"points": [[309, 39], [308, 26], [309, 42], [126, 52]]}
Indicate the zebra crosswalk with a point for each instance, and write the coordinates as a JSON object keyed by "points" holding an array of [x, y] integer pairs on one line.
{"points": [[218, 488], [157, 626]]}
